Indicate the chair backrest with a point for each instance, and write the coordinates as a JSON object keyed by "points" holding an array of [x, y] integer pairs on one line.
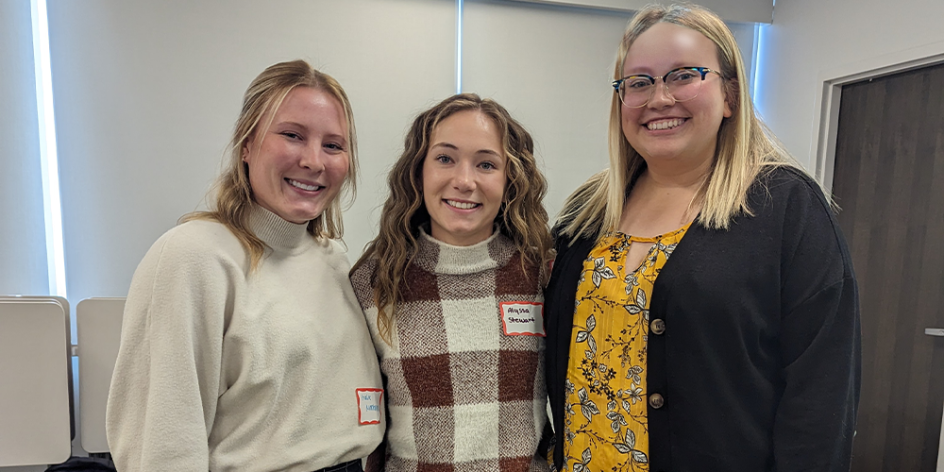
{"points": [[35, 415], [98, 324], [65, 308]]}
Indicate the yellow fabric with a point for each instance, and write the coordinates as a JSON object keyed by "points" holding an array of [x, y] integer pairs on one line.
{"points": [[605, 417]]}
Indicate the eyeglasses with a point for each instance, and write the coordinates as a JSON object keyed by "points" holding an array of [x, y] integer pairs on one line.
{"points": [[681, 84]]}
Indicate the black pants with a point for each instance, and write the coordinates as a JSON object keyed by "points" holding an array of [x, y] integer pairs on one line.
{"points": [[353, 466]]}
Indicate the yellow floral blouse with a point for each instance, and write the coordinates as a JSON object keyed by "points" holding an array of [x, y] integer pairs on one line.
{"points": [[605, 417]]}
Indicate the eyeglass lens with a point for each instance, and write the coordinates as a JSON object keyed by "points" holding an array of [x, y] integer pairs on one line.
{"points": [[681, 85]]}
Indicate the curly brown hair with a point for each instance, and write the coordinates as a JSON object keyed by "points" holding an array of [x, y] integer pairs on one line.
{"points": [[521, 217]]}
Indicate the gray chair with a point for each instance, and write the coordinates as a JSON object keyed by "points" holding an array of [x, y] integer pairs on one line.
{"points": [[36, 421], [98, 322]]}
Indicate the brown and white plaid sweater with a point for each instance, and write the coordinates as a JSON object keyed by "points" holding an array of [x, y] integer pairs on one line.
{"points": [[462, 395]]}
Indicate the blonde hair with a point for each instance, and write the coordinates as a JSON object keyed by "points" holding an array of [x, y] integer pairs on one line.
{"points": [[234, 196], [521, 217], [745, 146]]}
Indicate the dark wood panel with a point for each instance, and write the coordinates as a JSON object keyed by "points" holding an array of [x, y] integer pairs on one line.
{"points": [[889, 180], [931, 296], [901, 131], [857, 147]]}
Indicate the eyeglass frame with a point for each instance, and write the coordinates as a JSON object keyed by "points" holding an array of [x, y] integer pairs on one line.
{"points": [[701, 70]]}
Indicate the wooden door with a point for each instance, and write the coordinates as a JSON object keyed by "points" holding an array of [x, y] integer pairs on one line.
{"points": [[889, 182]]}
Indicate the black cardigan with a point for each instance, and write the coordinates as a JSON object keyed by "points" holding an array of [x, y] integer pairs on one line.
{"points": [[759, 363]]}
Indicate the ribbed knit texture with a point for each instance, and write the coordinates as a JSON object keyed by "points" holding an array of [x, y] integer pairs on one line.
{"points": [[223, 369], [462, 395]]}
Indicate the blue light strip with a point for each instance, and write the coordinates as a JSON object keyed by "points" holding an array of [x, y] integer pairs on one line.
{"points": [[755, 73], [459, 7], [48, 154]]}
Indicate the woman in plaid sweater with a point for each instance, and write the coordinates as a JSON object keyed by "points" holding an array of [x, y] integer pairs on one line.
{"points": [[452, 291]]}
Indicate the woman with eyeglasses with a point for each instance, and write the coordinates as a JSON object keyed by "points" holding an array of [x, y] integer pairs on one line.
{"points": [[702, 309]]}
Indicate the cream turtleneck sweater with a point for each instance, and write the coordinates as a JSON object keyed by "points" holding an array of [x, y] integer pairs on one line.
{"points": [[223, 369]]}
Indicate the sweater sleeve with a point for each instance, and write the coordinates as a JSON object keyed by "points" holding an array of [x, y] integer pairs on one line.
{"points": [[166, 381], [360, 280], [819, 340]]}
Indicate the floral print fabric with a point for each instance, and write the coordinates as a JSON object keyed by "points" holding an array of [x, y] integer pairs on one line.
{"points": [[605, 416]]}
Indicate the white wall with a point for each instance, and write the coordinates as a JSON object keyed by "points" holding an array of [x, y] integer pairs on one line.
{"points": [[809, 38], [22, 228], [147, 94], [552, 68]]}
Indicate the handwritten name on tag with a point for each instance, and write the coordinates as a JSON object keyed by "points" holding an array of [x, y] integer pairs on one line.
{"points": [[369, 405], [522, 318]]}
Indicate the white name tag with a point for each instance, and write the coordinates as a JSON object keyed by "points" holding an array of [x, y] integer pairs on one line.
{"points": [[523, 318], [369, 405]]}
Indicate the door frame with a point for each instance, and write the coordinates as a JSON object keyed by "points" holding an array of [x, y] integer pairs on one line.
{"points": [[829, 95]]}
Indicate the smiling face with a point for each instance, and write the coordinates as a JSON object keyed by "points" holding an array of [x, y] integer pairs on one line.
{"points": [[464, 178], [298, 165], [665, 130]]}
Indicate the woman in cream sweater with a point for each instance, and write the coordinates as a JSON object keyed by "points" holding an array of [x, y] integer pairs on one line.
{"points": [[243, 346]]}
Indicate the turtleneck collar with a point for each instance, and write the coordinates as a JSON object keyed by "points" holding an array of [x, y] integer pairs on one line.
{"points": [[438, 257], [276, 232]]}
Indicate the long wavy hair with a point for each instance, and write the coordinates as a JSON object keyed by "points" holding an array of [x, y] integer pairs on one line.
{"points": [[521, 217], [234, 196], [745, 148]]}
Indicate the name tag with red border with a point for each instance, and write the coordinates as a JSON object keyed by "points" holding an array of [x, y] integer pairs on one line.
{"points": [[369, 405], [522, 318]]}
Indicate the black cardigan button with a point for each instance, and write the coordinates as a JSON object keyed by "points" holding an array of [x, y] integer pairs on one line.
{"points": [[658, 326], [656, 401]]}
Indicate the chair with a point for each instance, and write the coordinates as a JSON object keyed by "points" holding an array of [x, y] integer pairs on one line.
{"points": [[36, 425], [98, 321]]}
